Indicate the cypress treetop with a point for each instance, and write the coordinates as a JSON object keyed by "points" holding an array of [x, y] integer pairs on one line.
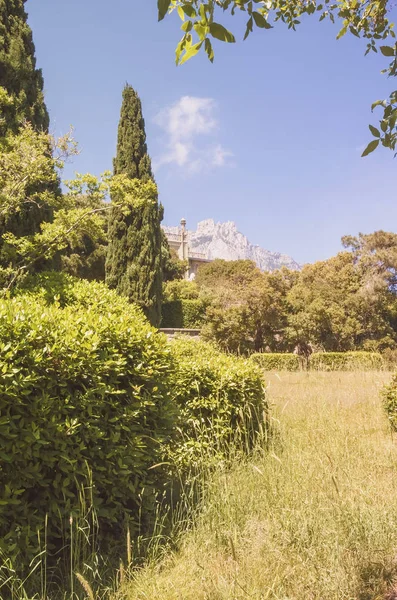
{"points": [[18, 73], [132, 158], [133, 262]]}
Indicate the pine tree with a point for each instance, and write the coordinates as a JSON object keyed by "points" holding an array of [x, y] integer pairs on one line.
{"points": [[18, 73], [133, 263]]}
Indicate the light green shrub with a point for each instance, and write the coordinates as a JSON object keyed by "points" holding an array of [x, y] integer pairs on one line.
{"points": [[345, 361], [277, 361], [84, 407], [221, 399]]}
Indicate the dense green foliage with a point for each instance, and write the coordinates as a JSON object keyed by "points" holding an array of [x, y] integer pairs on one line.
{"points": [[188, 314], [247, 308], [220, 398], [183, 306], [173, 268], [21, 99], [133, 263], [18, 73], [342, 304], [278, 361], [74, 238], [132, 158], [85, 408]]}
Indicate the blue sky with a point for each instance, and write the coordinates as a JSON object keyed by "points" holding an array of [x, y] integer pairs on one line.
{"points": [[269, 136]]}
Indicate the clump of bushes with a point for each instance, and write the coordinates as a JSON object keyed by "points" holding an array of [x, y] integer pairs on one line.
{"points": [[183, 307], [278, 361], [92, 398], [221, 399], [346, 361], [85, 409], [187, 314]]}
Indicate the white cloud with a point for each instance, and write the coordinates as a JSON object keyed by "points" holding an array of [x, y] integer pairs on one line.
{"points": [[185, 124]]}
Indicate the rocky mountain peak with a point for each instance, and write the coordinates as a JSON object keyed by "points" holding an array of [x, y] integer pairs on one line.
{"points": [[223, 240]]}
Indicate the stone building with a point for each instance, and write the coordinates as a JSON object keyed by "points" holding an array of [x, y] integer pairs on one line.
{"points": [[180, 243]]}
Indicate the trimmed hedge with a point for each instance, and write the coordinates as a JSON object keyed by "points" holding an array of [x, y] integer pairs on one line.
{"points": [[320, 361], [188, 314], [346, 361], [277, 361], [220, 397], [84, 410], [91, 398]]}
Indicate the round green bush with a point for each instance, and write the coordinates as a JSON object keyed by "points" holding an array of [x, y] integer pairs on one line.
{"points": [[84, 412]]}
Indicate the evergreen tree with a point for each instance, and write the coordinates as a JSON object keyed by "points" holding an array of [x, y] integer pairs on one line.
{"points": [[18, 73], [23, 84], [133, 264]]}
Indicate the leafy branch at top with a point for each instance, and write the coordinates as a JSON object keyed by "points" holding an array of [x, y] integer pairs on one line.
{"points": [[368, 19]]}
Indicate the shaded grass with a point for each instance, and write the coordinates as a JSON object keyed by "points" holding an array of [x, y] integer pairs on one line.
{"points": [[312, 517]]}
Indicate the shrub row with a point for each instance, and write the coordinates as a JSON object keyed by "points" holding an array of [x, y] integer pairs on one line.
{"points": [[91, 398], [346, 361], [188, 314], [320, 361], [83, 396], [220, 397]]}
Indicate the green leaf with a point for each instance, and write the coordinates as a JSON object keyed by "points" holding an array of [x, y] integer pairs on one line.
{"points": [[190, 52], [383, 126], [200, 30], [387, 50], [163, 6], [375, 132], [189, 10], [221, 33], [377, 103], [370, 148], [249, 27], [209, 50], [186, 26], [341, 33], [260, 21], [181, 13], [179, 50]]}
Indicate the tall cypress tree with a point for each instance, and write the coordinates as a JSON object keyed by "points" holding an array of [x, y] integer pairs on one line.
{"points": [[18, 73], [133, 263]]}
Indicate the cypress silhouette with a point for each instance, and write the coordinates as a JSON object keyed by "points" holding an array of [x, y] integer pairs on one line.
{"points": [[133, 263]]}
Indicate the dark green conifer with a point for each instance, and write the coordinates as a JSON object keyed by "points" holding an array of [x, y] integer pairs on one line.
{"points": [[23, 83], [18, 73], [133, 264]]}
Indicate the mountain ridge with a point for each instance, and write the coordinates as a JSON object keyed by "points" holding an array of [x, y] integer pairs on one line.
{"points": [[224, 240]]}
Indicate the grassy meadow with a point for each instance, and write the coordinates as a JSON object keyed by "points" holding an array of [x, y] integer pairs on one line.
{"points": [[312, 517]]}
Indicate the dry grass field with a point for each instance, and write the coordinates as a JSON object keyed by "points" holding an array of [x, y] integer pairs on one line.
{"points": [[313, 517]]}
